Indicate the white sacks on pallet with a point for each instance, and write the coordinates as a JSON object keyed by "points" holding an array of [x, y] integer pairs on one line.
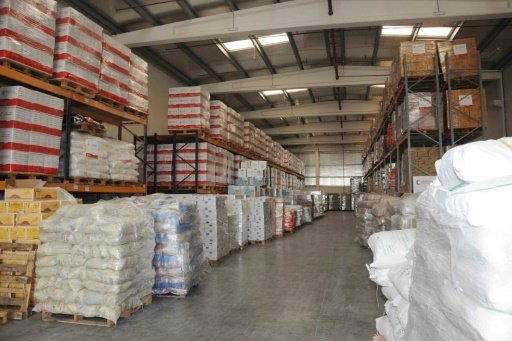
{"points": [[88, 156], [390, 248], [28, 33], [179, 261], [122, 163], [77, 49], [30, 131], [460, 281], [95, 260]]}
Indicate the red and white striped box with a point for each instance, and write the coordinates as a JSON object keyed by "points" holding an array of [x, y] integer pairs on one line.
{"points": [[268, 147], [235, 128], [261, 141], [249, 136], [27, 33], [231, 173], [115, 70], [221, 167], [78, 48], [218, 120], [138, 94], [29, 139], [188, 109]]}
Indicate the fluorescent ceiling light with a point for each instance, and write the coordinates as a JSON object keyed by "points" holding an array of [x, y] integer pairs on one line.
{"points": [[239, 45], [273, 39], [280, 92], [379, 86], [435, 32], [296, 90], [398, 31]]}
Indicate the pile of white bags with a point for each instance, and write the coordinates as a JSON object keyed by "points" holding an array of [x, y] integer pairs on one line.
{"points": [[88, 156], [95, 260], [461, 279], [180, 262], [391, 269], [122, 163]]}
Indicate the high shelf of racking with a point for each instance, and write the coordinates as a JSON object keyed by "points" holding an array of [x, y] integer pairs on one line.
{"points": [[78, 103], [422, 114]]}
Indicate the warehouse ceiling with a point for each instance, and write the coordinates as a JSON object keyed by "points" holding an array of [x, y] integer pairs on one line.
{"points": [[295, 59]]}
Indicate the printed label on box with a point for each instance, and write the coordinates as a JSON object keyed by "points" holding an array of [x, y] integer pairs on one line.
{"points": [[460, 49], [418, 48], [465, 100], [92, 149], [425, 103]]}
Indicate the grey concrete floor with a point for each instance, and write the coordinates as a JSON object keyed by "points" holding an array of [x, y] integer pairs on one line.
{"points": [[311, 285]]}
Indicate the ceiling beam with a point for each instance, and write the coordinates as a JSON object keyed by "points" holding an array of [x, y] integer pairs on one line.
{"points": [[328, 148], [495, 32], [308, 15], [296, 53], [503, 62], [310, 78], [375, 53], [323, 127], [336, 139], [330, 108]]}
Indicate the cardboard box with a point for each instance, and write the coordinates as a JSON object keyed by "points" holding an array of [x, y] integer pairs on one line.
{"points": [[5, 233], [28, 219], [15, 206], [462, 55], [466, 107], [19, 194], [42, 206], [3, 207], [25, 232], [7, 219], [47, 193]]}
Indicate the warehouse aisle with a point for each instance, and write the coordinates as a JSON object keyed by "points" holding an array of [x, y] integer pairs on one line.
{"points": [[311, 285]]}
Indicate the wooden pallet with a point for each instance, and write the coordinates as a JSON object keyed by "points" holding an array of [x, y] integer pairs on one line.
{"points": [[216, 262], [122, 183], [135, 112], [14, 65], [94, 321], [88, 181], [110, 102], [12, 177], [75, 87], [91, 129], [17, 263], [261, 242], [3, 317]]}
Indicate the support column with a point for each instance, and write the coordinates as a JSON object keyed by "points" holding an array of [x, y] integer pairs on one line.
{"points": [[317, 169]]}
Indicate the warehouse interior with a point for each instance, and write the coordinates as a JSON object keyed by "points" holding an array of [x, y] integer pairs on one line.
{"points": [[255, 169]]}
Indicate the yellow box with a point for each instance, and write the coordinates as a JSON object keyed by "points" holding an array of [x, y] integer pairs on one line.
{"points": [[3, 207], [42, 206], [47, 193], [26, 232], [66, 202], [19, 194], [47, 215], [5, 233], [33, 219], [15, 206], [7, 219]]}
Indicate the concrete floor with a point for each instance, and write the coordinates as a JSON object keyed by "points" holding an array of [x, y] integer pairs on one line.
{"points": [[311, 285]]}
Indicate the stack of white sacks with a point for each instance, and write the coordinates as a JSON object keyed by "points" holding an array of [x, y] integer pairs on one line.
{"points": [[122, 163], [391, 269], [179, 260], [461, 279], [95, 260]]}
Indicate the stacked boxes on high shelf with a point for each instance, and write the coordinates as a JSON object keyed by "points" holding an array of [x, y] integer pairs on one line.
{"points": [[24, 209], [219, 120], [422, 161], [138, 92], [252, 173], [114, 71], [30, 131], [462, 56], [188, 109], [465, 106], [235, 128], [28, 38], [78, 49], [420, 113]]}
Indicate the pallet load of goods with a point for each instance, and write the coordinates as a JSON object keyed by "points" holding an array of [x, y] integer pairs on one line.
{"points": [[451, 109]]}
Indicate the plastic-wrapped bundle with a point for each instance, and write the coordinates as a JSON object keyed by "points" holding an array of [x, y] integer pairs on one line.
{"points": [[262, 219], [179, 261], [95, 260], [88, 156], [306, 214], [123, 165], [279, 215], [290, 219], [238, 221]]}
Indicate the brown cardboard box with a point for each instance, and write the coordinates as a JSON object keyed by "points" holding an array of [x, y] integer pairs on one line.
{"points": [[418, 57], [47, 193], [42, 206], [14, 206], [462, 57], [19, 194], [7, 219], [3, 207], [423, 161], [32, 219], [466, 108]]}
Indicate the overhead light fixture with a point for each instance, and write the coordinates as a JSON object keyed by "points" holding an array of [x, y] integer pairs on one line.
{"points": [[397, 31], [273, 39], [296, 90], [435, 32], [380, 86], [239, 45], [280, 92]]}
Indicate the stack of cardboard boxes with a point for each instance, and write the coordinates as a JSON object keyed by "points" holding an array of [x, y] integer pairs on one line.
{"points": [[423, 161], [188, 109], [114, 83]]}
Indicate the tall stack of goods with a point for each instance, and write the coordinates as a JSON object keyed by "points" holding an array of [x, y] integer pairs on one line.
{"points": [[346, 202], [88, 156], [95, 260], [122, 163], [290, 219], [334, 201], [460, 276], [29, 45], [422, 161], [391, 269], [249, 136], [279, 204], [30, 132], [238, 216], [221, 166], [420, 113], [185, 164], [78, 50], [179, 261], [307, 214], [262, 220], [114, 83], [235, 128], [138, 93], [188, 109], [300, 214], [219, 120]]}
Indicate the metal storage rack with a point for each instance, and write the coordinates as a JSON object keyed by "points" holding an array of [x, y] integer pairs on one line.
{"points": [[77, 103], [412, 137], [196, 137]]}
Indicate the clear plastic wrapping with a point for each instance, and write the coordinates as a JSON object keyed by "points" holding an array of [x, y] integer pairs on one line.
{"points": [[95, 261], [123, 165]]}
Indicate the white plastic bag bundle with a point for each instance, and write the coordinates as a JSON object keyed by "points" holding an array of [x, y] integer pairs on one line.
{"points": [[384, 328], [122, 163], [390, 248], [179, 259], [400, 277], [88, 156], [95, 260]]}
